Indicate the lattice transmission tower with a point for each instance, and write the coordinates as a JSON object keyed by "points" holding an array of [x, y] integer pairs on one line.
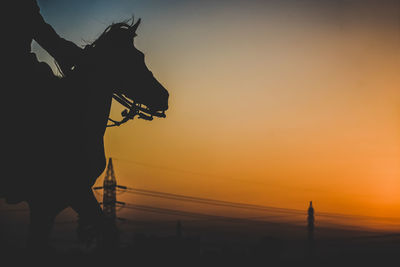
{"points": [[109, 204], [109, 193]]}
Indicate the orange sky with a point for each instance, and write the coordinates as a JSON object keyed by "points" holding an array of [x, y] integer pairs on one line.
{"points": [[269, 106]]}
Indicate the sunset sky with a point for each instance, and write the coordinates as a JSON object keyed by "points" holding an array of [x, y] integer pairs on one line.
{"points": [[271, 102]]}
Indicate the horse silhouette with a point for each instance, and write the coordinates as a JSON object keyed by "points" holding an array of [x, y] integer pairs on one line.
{"points": [[111, 67]]}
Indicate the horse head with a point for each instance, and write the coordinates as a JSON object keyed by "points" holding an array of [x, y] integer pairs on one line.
{"points": [[124, 67]]}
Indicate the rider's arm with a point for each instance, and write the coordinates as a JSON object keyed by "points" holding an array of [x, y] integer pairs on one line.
{"points": [[66, 53]]}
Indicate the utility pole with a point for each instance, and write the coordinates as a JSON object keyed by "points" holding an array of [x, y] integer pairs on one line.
{"points": [[310, 228]]}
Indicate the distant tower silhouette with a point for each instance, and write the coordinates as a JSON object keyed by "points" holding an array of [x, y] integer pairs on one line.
{"points": [[109, 187], [310, 227], [109, 195]]}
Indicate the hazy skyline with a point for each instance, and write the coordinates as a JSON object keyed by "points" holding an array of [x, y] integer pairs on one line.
{"points": [[272, 102]]}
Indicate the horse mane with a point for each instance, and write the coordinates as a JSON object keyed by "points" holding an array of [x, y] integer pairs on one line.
{"points": [[114, 27], [104, 37]]}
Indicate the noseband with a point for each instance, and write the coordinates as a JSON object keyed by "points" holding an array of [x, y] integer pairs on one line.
{"points": [[133, 109]]}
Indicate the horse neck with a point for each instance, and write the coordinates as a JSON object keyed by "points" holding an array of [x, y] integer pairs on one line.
{"points": [[96, 97], [98, 108]]}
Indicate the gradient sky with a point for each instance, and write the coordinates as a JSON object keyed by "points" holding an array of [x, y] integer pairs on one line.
{"points": [[271, 102]]}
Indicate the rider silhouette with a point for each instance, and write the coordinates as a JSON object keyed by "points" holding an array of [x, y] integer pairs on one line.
{"points": [[30, 92], [28, 138], [66, 53]]}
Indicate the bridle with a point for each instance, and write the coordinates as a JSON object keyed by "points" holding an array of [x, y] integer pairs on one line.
{"points": [[133, 109]]}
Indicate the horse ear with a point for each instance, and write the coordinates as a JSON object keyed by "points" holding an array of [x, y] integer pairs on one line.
{"points": [[134, 28]]}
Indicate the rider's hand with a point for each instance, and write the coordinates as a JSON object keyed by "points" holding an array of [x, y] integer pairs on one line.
{"points": [[71, 57]]}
